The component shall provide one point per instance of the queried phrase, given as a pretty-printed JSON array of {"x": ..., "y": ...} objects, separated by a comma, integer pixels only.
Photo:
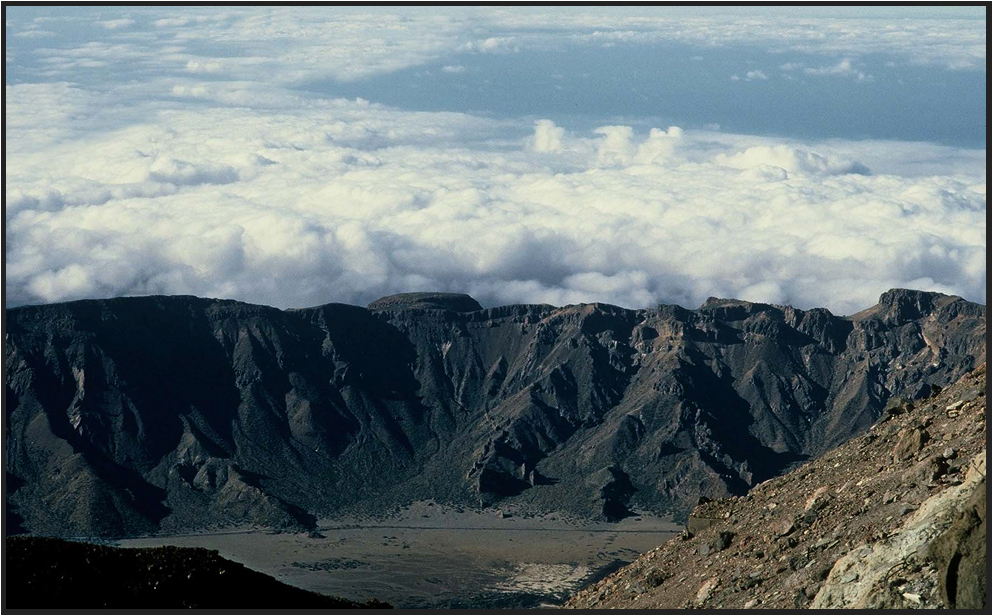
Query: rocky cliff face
[
  {"x": 134, "y": 415},
  {"x": 893, "y": 519}
]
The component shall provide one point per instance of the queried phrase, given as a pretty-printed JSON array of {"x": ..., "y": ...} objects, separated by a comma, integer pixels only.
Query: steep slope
[
  {"x": 137, "y": 415},
  {"x": 44, "y": 573},
  {"x": 893, "y": 519}
]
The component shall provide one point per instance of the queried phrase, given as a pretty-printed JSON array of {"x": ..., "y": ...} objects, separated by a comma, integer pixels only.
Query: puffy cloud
[
  {"x": 203, "y": 66},
  {"x": 659, "y": 147},
  {"x": 117, "y": 24},
  {"x": 615, "y": 149},
  {"x": 755, "y": 75},
  {"x": 148, "y": 165},
  {"x": 791, "y": 160},
  {"x": 493, "y": 44},
  {"x": 844, "y": 68},
  {"x": 347, "y": 201},
  {"x": 181, "y": 172},
  {"x": 453, "y": 69},
  {"x": 547, "y": 136}
]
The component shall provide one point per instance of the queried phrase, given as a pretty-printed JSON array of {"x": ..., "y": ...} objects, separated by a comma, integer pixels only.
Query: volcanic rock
[
  {"x": 926, "y": 549},
  {"x": 165, "y": 414}
]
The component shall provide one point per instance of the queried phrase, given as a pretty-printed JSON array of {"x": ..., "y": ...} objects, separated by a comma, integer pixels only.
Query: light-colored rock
[
  {"x": 818, "y": 500},
  {"x": 872, "y": 563},
  {"x": 705, "y": 590}
]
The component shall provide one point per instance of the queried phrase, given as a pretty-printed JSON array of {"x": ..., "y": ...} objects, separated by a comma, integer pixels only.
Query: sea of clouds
[{"x": 174, "y": 155}]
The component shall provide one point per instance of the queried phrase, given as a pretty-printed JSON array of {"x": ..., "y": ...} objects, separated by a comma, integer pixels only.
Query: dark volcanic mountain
[{"x": 135, "y": 415}]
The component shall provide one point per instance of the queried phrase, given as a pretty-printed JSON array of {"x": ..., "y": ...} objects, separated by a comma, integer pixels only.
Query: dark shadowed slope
[
  {"x": 138, "y": 415},
  {"x": 46, "y": 573}
]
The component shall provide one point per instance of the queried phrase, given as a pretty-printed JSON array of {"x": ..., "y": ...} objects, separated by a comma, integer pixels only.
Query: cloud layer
[
  {"x": 147, "y": 164},
  {"x": 303, "y": 44},
  {"x": 348, "y": 201}
]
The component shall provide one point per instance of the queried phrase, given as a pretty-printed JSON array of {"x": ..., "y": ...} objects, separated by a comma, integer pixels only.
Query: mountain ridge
[{"x": 166, "y": 413}]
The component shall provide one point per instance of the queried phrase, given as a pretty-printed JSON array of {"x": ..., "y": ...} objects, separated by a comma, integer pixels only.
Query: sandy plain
[{"x": 431, "y": 556}]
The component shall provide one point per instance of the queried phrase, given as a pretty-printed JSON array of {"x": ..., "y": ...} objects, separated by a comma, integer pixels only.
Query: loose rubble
[{"x": 890, "y": 520}]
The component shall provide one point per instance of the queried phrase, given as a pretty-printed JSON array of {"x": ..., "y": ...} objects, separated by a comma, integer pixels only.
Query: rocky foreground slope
[
  {"x": 44, "y": 573},
  {"x": 893, "y": 519},
  {"x": 162, "y": 414}
]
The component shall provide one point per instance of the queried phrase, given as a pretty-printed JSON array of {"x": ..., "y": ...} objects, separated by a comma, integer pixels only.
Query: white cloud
[
  {"x": 204, "y": 66},
  {"x": 117, "y": 24},
  {"x": 615, "y": 149},
  {"x": 547, "y": 136},
  {"x": 844, "y": 68},
  {"x": 347, "y": 201},
  {"x": 34, "y": 34},
  {"x": 494, "y": 44},
  {"x": 659, "y": 147},
  {"x": 791, "y": 160},
  {"x": 755, "y": 75},
  {"x": 181, "y": 172},
  {"x": 956, "y": 44},
  {"x": 348, "y": 45},
  {"x": 168, "y": 170},
  {"x": 453, "y": 68}
]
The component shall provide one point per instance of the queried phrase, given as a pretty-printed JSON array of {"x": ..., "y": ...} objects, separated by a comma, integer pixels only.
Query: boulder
[
  {"x": 909, "y": 443},
  {"x": 961, "y": 558}
]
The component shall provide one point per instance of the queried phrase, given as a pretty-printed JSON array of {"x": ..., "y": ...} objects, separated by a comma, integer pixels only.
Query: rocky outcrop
[
  {"x": 862, "y": 578},
  {"x": 162, "y": 414},
  {"x": 961, "y": 557},
  {"x": 856, "y": 528}
]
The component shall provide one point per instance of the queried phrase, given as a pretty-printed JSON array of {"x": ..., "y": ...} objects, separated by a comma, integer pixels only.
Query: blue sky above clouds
[{"x": 296, "y": 156}]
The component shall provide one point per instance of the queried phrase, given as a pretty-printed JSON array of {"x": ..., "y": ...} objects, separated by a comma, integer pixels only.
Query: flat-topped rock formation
[{"x": 426, "y": 301}]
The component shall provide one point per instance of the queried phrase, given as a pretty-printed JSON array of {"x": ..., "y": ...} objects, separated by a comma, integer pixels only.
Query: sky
[{"x": 636, "y": 156}]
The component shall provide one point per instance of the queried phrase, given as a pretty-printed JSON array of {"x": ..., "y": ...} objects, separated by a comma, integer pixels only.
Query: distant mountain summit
[
  {"x": 429, "y": 301},
  {"x": 135, "y": 415}
]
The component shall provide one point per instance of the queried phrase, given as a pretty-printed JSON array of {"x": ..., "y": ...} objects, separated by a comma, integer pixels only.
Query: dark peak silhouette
[{"x": 51, "y": 574}]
